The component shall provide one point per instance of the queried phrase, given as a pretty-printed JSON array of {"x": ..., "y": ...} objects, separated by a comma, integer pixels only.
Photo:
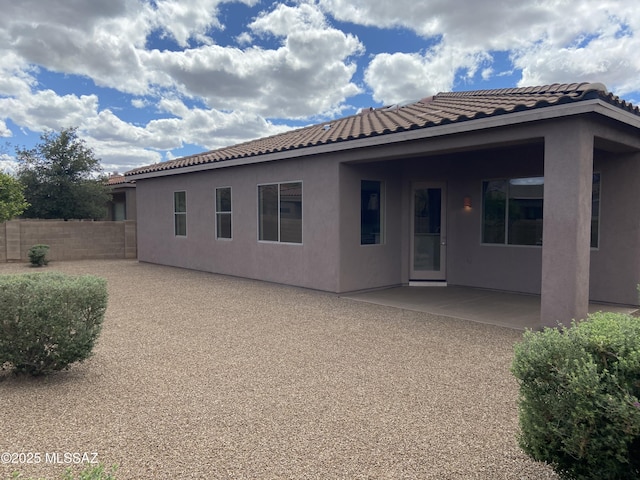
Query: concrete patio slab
[{"x": 513, "y": 310}]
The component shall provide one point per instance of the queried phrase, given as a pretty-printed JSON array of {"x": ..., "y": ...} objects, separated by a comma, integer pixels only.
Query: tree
[
  {"x": 62, "y": 178},
  {"x": 12, "y": 201}
]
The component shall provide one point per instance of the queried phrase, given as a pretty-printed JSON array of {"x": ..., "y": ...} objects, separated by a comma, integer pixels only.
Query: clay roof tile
[{"x": 440, "y": 109}]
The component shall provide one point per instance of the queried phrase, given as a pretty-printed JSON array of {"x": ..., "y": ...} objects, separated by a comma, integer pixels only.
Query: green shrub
[
  {"x": 92, "y": 473},
  {"x": 38, "y": 255},
  {"x": 89, "y": 473},
  {"x": 49, "y": 320},
  {"x": 579, "y": 390}
]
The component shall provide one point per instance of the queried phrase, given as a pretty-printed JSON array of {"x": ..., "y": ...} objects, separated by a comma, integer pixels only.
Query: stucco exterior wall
[
  {"x": 615, "y": 265},
  {"x": 469, "y": 261},
  {"x": 331, "y": 257},
  {"x": 370, "y": 266},
  {"x": 312, "y": 264}
]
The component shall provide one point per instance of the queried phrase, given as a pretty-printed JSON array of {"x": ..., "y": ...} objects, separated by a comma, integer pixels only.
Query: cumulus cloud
[
  {"x": 421, "y": 74},
  {"x": 8, "y": 164},
  {"x": 119, "y": 143},
  {"x": 547, "y": 44},
  {"x": 4, "y": 131},
  {"x": 310, "y": 73},
  {"x": 290, "y": 62},
  {"x": 45, "y": 110},
  {"x": 604, "y": 57}
]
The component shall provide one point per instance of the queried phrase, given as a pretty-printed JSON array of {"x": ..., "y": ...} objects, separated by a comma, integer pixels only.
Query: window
[
  {"x": 280, "y": 212},
  {"x": 371, "y": 212},
  {"x": 180, "y": 213},
  {"x": 512, "y": 211},
  {"x": 223, "y": 212}
]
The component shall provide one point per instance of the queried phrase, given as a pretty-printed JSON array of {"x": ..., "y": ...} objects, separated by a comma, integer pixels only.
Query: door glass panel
[{"x": 426, "y": 229}]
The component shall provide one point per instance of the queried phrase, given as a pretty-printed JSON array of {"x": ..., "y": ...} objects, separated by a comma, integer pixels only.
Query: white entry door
[{"x": 428, "y": 232}]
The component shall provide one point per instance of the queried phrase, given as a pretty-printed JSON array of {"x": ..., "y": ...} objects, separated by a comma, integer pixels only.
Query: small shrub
[
  {"x": 579, "y": 390},
  {"x": 38, "y": 255},
  {"x": 49, "y": 320}
]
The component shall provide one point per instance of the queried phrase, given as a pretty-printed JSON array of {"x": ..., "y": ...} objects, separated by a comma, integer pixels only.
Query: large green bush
[
  {"x": 49, "y": 320},
  {"x": 579, "y": 397}
]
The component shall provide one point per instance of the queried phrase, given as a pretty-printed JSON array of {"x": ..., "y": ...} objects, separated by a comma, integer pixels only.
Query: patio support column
[{"x": 568, "y": 177}]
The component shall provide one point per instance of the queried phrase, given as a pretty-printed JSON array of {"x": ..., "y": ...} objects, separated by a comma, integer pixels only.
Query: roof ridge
[
  {"x": 555, "y": 88},
  {"x": 440, "y": 109}
]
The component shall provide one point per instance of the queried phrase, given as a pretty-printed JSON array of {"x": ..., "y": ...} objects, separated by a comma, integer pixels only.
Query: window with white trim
[
  {"x": 223, "y": 212},
  {"x": 180, "y": 213},
  {"x": 512, "y": 211},
  {"x": 280, "y": 212}
]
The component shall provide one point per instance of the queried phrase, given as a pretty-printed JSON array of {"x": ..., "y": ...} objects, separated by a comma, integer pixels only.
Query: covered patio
[{"x": 505, "y": 309}]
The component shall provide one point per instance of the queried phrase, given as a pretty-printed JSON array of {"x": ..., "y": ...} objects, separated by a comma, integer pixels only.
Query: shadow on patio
[{"x": 505, "y": 309}]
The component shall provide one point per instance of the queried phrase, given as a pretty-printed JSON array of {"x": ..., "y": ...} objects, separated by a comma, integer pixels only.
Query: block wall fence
[{"x": 68, "y": 240}]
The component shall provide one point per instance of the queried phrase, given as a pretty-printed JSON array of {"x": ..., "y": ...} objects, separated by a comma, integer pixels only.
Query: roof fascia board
[
  {"x": 515, "y": 118},
  {"x": 611, "y": 111}
]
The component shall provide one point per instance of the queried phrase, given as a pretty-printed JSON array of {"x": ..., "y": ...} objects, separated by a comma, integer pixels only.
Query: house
[
  {"x": 123, "y": 198},
  {"x": 525, "y": 189}
]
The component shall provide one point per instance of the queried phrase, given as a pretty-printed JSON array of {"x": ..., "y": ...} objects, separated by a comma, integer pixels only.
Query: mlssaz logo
[{"x": 67, "y": 458}]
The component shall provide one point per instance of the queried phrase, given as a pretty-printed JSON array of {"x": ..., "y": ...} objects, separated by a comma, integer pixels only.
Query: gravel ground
[{"x": 201, "y": 376}]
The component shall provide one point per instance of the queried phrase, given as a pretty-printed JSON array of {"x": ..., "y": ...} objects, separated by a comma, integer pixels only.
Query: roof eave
[{"x": 514, "y": 118}]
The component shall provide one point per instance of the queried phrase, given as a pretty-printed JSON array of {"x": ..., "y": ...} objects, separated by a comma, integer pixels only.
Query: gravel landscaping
[{"x": 201, "y": 376}]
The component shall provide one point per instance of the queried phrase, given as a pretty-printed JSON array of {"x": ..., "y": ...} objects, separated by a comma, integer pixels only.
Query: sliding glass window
[
  {"x": 280, "y": 212},
  {"x": 512, "y": 211}
]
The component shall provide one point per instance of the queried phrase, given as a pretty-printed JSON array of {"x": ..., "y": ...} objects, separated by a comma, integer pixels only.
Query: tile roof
[
  {"x": 441, "y": 109},
  {"x": 117, "y": 179}
]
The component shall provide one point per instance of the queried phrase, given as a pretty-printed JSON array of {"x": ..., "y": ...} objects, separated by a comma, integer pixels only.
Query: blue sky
[{"x": 146, "y": 81}]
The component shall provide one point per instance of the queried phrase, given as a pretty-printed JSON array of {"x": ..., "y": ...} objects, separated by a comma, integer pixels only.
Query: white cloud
[
  {"x": 422, "y": 74},
  {"x": 604, "y": 58},
  {"x": 284, "y": 20},
  {"x": 4, "y": 131},
  {"x": 45, "y": 109},
  {"x": 139, "y": 102},
  {"x": 184, "y": 19},
  {"x": 119, "y": 157},
  {"x": 290, "y": 62},
  {"x": 16, "y": 76},
  {"x": 312, "y": 64},
  {"x": 244, "y": 39},
  {"x": 309, "y": 74},
  {"x": 550, "y": 40},
  {"x": 8, "y": 164},
  {"x": 209, "y": 128},
  {"x": 95, "y": 39},
  {"x": 190, "y": 19},
  {"x": 120, "y": 143}
]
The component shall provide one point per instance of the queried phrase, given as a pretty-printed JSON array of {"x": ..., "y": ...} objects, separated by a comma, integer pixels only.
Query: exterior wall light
[{"x": 467, "y": 203}]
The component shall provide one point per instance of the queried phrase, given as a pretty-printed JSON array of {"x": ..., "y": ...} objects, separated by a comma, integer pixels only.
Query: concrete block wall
[
  {"x": 70, "y": 240},
  {"x": 3, "y": 243}
]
